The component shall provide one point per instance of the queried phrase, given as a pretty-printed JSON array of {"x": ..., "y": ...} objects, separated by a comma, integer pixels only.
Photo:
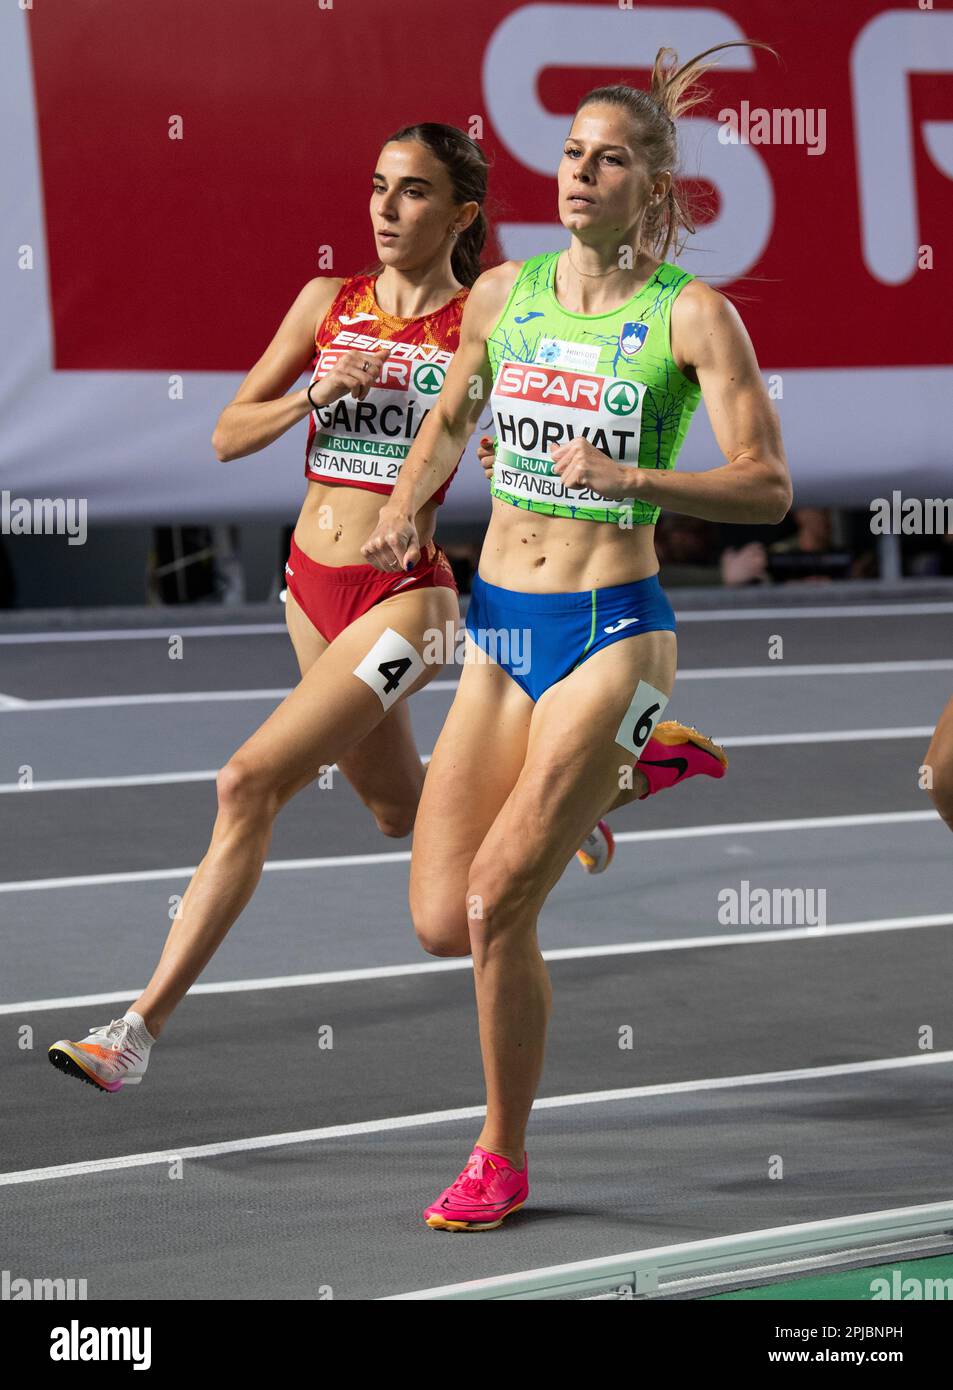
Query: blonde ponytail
[{"x": 673, "y": 91}]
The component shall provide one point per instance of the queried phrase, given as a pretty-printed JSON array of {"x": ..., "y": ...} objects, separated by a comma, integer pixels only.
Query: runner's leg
[
  {"x": 384, "y": 768},
  {"x": 474, "y": 767},
  {"x": 327, "y": 714},
  {"x": 939, "y": 758},
  {"x": 569, "y": 778}
]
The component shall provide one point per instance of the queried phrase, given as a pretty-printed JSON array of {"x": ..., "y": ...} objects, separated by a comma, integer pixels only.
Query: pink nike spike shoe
[
  {"x": 488, "y": 1189},
  {"x": 676, "y": 752}
]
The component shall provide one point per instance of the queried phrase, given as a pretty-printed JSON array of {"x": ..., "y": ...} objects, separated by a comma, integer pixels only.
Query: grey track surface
[{"x": 608, "y": 1175}]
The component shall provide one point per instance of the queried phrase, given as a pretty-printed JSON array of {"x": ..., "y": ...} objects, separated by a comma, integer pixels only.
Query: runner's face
[
  {"x": 412, "y": 206},
  {"x": 603, "y": 181}
]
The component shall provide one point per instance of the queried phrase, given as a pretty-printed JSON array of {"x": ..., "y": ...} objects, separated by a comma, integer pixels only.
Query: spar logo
[
  {"x": 622, "y": 398},
  {"x": 580, "y": 390},
  {"x": 420, "y": 364},
  {"x": 428, "y": 379},
  {"x": 549, "y": 386}
]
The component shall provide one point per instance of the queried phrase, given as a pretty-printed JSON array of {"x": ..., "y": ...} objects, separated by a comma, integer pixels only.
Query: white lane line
[
  {"x": 701, "y": 673},
  {"x": 144, "y": 779},
  {"x": 817, "y": 668},
  {"x": 827, "y": 736},
  {"x": 337, "y": 861},
  {"x": 559, "y": 953},
  {"x": 352, "y": 861},
  {"x": 755, "y": 827},
  {"x": 138, "y": 634},
  {"x": 72, "y": 784},
  {"x": 177, "y": 697},
  {"x": 692, "y": 615},
  {"x": 847, "y": 610},
  {"x": 471, "y": 1112},
  {"x": 163, "y": 779}
]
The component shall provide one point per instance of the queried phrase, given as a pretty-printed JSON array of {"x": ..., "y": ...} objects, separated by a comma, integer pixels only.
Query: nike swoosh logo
[
  {"x": 525, "y": 318},
  {"x": 452, "y": 1204},
  {"x": 681, "y": 764},
  {"x": 407, "y": 581}
]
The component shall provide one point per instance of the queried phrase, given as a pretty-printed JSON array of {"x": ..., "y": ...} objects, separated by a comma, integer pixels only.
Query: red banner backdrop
[
  {"x": 183, "y": 254},
  {"x": 151, "y": 272}
]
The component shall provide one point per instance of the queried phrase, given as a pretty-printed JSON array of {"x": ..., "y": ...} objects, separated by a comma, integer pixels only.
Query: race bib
[
  {"x": 641, "y": 717},
  {"x": 367, "y": 441},
  {"x": 536, "y": 406}
]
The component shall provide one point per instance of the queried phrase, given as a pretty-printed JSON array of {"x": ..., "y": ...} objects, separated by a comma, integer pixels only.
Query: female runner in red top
[{"x": 380, "y": 345}]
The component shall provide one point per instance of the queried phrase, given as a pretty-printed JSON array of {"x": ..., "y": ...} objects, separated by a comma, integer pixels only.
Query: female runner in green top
[{"x": 595, "y": 359}]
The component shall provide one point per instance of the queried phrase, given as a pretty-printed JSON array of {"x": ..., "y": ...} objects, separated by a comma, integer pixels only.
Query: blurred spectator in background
[
  {"x": 929, "y": 556},
  {"x": 810, "y": 555},
  {"x": 464, "y": 556},
  {"x": 696, "y": 552},
  {"x": 687, "y": 549},
  {"x": 7, "y": 586},
  {"x": 746, "y": 565}
]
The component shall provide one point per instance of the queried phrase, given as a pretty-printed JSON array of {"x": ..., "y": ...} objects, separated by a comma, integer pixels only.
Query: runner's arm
[
  {"x": 754, "y": 485},
  {"x": 452, "y": 419},
  {"x": 261, "y": 411}
]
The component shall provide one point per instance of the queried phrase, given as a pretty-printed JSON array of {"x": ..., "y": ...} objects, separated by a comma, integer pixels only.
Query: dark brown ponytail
[{"x": 466, "y": 164}]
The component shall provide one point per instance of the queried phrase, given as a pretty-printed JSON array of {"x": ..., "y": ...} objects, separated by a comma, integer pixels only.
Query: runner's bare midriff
[
  {"x": 552, "y": 554},
  {"x": 337, "y": 518}
]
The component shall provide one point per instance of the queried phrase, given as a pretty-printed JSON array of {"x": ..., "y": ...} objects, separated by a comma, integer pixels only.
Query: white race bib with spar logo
[
  {"x": 536, "y": 406},
  {"x": 367, "y": 441}
]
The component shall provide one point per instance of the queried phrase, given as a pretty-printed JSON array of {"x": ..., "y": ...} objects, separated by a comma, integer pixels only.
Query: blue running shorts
[{"x": 539, "y": 638}]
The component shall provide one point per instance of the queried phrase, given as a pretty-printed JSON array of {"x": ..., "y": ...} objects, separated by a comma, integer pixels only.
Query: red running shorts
[{"x": 334, "y": 596}]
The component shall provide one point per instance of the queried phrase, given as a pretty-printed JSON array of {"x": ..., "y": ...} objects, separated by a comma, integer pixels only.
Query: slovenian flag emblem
[{"x": 632, "y": 337}]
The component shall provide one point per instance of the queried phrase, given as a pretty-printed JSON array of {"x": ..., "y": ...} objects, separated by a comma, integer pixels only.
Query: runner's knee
[
  {"x": 941, "y": 788},
  {"x": 440, "y": 924},
  {"x": 498, "y": 895},
  {"x": 395, "y": 819},
  {"x": 444, "y": 936},
  {"x": 246, "y": 787},
  {"x": 941, "y": 794}
]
